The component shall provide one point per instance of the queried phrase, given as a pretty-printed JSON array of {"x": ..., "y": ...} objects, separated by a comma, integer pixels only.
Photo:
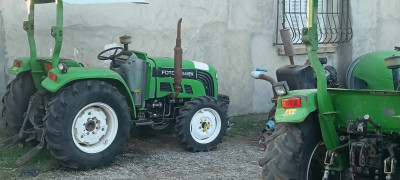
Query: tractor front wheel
[
  {"x": 201, "y": 124},
  {"x": 87, "y": 124},
  {"x": 289, "y": 151}
]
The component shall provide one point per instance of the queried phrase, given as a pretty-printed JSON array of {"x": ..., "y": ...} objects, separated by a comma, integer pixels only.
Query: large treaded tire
[
  {"x": 289, "y": 149},
  {"x": 61, "y": 114},
  {"x": 16, "y": 101},
  {"x": 185, "y": 117}
]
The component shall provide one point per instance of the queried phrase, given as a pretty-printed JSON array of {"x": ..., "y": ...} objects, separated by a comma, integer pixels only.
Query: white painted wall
[{"x": 235, "y": 36}]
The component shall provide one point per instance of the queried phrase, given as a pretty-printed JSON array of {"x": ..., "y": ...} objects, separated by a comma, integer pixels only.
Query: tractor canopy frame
[{"x": 56, "y": 31}]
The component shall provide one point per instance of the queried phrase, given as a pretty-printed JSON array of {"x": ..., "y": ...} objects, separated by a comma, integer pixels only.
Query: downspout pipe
[{"x": 178, "y": 62}]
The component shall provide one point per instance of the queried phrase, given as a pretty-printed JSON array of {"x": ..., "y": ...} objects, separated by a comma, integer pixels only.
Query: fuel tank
[{"x": 133, "y": 70}]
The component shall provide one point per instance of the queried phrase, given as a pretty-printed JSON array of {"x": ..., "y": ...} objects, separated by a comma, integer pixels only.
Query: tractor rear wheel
[
  {"x": 201, "y": 124},
  {"x": 16, "y": 101},
  {"x": 87, "y": 124},
  {"x": 288, "y": 155}
]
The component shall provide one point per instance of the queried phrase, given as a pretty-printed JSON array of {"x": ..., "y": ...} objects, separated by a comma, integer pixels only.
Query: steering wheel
[{"x": 111, "y": 57}]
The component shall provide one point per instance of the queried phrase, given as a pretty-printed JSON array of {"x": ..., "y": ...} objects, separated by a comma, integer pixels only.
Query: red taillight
[
  {"x": 52, "y": 76},
  {"x": 17, "y": 63},
  {"x": 291, "y": 103}
]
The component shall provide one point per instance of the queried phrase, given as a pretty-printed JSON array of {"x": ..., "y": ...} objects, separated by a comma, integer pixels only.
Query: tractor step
[{"x": 145, "y": 122}]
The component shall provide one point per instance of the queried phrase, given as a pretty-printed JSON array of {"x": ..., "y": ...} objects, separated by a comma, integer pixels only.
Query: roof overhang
[{"x": 81, "y": 2}]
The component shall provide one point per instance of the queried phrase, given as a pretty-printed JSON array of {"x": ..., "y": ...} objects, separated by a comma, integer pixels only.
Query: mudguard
[
  {"x": 297, "y": 115},
  {"x": 26, "y": 66},
  {"x": 80, "y": 73}
]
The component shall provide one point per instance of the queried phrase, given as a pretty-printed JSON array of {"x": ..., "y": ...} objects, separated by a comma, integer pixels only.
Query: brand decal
[
  {"x": 384, "y": 93},
  {"x": 169, "y": 72}
]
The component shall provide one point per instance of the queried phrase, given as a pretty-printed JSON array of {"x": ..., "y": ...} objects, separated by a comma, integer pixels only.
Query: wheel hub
[
  {"x": 90, "y": 126},
  {"x": 205, "y": 125}
]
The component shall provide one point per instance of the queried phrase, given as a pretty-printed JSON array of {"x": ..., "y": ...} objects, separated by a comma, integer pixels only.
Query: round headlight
[{"x": 63, "y": 67}]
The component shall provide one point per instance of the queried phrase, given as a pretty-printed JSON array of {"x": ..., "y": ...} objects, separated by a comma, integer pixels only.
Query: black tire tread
[
  {"x": 16, "y": 100},
  {"x": 54, "y": 118},
  {"x": 185, "y": 117},
  {"x": 285, "y": 154}
]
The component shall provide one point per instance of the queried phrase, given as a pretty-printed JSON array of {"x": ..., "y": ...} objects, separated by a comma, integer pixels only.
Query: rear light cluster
[
  {"x": 52, "y": 76},
  {"x": 17, "y": 63},
  {"x": 291, "y": 103}
]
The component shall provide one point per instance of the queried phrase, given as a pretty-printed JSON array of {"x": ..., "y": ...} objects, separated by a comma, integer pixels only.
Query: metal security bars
[{"x": 334, "y": 24}]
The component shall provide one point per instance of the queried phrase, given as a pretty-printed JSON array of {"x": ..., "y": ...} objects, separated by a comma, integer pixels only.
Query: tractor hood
[{"x": 169, "y": 63}]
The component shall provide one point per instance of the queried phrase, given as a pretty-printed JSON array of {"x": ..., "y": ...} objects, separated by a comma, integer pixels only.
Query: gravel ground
[{"x": 162, "y": 157}]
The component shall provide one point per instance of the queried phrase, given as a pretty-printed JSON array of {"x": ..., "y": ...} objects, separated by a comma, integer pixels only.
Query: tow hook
[
  {"x": 329, "y": 161},
  {"x": 390, "y": 167}
]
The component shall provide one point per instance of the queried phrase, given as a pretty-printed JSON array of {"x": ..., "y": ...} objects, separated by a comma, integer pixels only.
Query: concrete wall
[
  {"x": 376, "y": 26},
  {"x": 2, "y": 64},
  {"x": 235, "y": 36}
]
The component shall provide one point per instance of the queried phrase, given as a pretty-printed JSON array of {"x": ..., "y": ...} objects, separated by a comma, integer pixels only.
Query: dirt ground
[{"x": 162, "y": 157}]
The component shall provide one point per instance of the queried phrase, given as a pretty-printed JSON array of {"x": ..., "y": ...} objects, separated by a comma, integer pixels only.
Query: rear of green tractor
[
  {"x": 338, "y": 133},
  {"x": 85, "y": 114}
]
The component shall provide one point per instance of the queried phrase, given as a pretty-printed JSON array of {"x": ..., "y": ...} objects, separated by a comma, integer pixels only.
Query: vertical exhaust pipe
[
  {"x": 178, "y": 62},
  {"x": 286, "y": 38}
]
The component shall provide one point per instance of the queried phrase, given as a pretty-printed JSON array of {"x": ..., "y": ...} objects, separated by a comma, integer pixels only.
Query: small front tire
[{"x": 201, "y": 124}]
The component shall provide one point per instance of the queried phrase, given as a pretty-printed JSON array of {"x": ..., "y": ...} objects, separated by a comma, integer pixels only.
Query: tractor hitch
[{"x": 34, "y": 131}]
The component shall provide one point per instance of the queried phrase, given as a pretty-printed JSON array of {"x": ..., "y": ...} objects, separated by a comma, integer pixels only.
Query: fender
[
  {"x": 80, "y": 73},
  {"x": 297, "y": 115},
  {"x": 26, "y": 66}
]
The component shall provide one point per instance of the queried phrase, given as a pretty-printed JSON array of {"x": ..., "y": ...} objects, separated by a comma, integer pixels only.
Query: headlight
[
  {"x": 63, "y": 67},
  {"x": 281, "y": 88},
  {"x": 216, "y": 75}
]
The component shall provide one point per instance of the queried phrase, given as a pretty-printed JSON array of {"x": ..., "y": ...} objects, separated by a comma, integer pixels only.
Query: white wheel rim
[
  {"x": 205, "y": 125},
  {"x": 95, "y": 127}
]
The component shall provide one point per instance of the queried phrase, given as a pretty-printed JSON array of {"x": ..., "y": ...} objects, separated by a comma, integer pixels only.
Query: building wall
[
  {"x": 376, "y": 26},
  {"x": 3, "y": 63},
  {"x": 235, "y": 36}
]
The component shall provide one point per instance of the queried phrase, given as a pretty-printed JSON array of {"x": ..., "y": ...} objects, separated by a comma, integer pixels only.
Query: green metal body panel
[
  {"x": 80, "y": 73},
  {"x": 382, "y": 106},
  {"x": 297, "y": 115},
  {"x": 26, "y": 66},
  {"x": 197, "y": 86},
  {"x": 372, "y": 69},
  {"x": 44, "y": 64}
]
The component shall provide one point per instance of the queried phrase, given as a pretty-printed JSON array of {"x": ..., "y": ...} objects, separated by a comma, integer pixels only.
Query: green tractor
[
  {"x": 84, "y": 115},
  {"x": 336, "y": 133}
]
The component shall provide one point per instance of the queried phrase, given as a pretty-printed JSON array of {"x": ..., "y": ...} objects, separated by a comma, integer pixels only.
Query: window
[{"x": 334, "y": 25}]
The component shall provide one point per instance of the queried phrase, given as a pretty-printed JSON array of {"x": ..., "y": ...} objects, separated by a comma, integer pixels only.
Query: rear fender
[
  {"x": 297, "y": 115},
  {"x": 26, "y": 66},
  {"x": 80, "y": 73}
]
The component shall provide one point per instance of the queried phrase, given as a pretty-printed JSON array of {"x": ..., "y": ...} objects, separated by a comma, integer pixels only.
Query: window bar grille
[{"x": 334, "y": 24}]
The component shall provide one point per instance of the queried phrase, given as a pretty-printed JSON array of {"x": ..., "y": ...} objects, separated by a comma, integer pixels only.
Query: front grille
[
  {"x": 188, "y": 89},
  {"x": 166, "y": 87},
  {"x": 207, "y": 81}
]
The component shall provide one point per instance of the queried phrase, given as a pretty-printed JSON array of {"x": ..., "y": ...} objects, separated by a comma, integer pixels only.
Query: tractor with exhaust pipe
[
  {"x": 332, "y": 133},
  {"x": 84, "y": 115}
]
